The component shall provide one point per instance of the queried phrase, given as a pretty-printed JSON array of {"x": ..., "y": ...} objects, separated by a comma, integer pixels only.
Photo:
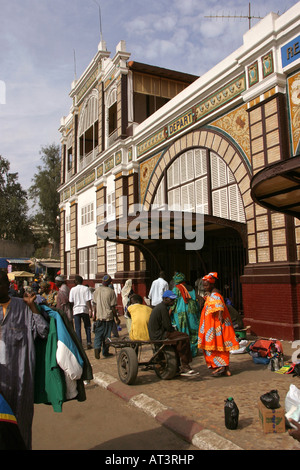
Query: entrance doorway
[{"x": 223, "y": 252}]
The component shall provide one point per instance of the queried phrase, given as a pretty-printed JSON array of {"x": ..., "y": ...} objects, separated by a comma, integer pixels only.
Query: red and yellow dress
[{"x": 214, "y": 337}]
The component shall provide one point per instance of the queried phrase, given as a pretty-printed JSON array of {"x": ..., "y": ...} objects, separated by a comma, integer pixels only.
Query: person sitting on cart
[
  {"x": 160, "y": 328},
  {"x": 139, "y": 314}
]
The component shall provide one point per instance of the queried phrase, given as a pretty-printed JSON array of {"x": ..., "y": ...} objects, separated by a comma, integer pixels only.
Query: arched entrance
[
  {"x": 203, "y": 173},
  {"x": 223, "y": 251}
]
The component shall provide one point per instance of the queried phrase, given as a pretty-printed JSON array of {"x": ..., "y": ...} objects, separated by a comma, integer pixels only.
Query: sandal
[{"x": 219, "y": 371}]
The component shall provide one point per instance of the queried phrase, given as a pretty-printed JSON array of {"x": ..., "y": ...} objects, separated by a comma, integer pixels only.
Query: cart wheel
[
  {"x": 127, "y": 365},
  {"x": 167, "y": 366}
]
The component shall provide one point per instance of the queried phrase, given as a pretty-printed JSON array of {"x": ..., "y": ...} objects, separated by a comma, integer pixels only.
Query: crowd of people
[
  {"x": 192, "y": 319},
  {"x": 197, "y": 317}
]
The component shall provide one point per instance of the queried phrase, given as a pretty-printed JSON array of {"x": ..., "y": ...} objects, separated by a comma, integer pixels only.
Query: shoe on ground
[
  {"x": 89, "y": 346},
  {"x": 188, "y": 372},
  {"x": 86, "y": 382},
  {"x": 108, "y": 355}
]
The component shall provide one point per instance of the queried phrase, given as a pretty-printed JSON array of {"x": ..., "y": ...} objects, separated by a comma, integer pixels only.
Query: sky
[{"x": 44, "y": 43}]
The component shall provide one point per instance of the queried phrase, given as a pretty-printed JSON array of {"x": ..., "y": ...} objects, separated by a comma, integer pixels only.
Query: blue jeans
[
  {"x": 102, "y": 331},
  {"x": 87, "y": 326}
]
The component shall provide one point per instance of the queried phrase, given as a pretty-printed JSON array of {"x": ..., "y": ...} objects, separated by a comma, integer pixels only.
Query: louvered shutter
[
  {"x": 219, "y": 171},
  {"x": 176, "y": 172},
  {"x": 183, "y": 168},
  {"x": 188, "y": 197},
  {"x": 233, "y": 203},
  {"x": 159, "y": 200},
  {"x": 174, "y": 200},
  {"x": 200, "y": 162},
  {"x": 190, "y": 165},
  {"x": 170, "y": 178},
  {"x": 201, "y": 199},
  {"x": 220, "y": 203},
  {"x": 242, "y": 217},
  {"x": 83, "y": 267}
]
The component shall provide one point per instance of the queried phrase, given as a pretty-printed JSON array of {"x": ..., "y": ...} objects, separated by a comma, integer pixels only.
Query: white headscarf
[{"x": 126, "y": 291}]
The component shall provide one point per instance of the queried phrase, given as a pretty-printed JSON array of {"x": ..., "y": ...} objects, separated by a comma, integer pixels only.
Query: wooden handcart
[{"x": 164, "y": 360}]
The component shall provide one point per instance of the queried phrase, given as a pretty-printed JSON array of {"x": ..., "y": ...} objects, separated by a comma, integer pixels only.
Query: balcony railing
[{"x": 86, "y": 160}]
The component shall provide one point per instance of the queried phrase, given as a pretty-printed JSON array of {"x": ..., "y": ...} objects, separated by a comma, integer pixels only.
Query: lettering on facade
[
  {"x": 290, "y": 52},
  {"x": 180, "y": 123}
]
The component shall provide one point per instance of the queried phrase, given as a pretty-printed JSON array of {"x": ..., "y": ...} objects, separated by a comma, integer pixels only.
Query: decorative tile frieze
[{"x": 222, "y": 96}]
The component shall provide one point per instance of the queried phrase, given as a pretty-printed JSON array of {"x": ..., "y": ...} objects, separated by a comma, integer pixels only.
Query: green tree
[
  {"x": 14, "y": 221},
  {"x": 44, "y": 194}
]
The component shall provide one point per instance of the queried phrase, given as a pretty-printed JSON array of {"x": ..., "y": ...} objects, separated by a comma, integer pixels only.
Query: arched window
[
  {"x": 88, "y": 131},
  {"x": 111, "y": 116},
  {"x": 188, "y": 179},
  {"x": 69, "y": 152}
]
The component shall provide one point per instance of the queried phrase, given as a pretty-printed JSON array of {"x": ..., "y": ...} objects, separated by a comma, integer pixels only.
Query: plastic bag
[
  {"x": 292, "y": 397},
  {"x": 271, "y": 399},
  {"x": 292, "y": 404}
]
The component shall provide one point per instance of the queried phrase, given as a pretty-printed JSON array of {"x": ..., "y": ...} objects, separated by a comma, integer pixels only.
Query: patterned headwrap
[
  {"x": 178, "y": 278},
  {"x": 211, "y": 277}
]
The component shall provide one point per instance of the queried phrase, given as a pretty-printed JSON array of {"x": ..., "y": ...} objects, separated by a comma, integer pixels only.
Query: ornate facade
[{"x": 146, "y": 137}]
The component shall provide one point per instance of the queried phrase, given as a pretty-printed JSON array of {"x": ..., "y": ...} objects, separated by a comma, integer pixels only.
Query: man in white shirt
[
  {"x": 81, "y": 300},
  {"x": 158, "y": 287}
]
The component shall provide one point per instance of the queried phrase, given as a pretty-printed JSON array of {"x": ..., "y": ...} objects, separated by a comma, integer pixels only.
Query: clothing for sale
[
  {"x": 18, "y": 330},
  {"x": 62, "y": 364},
  {"x": 10, "y": 436}
]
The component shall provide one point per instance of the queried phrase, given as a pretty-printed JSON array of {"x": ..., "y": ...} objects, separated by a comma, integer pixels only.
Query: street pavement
[{"x": 193, "y": 407}]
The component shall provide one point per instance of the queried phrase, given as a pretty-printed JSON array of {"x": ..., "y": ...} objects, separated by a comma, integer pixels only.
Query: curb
[{"x": 189, "y": 430}]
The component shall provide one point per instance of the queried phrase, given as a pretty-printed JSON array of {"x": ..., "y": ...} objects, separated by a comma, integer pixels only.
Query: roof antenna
[
  {"x": 249, "y": 17},
  {"x": 75, "y": 75},
  {"x": 100, "y": 23}
]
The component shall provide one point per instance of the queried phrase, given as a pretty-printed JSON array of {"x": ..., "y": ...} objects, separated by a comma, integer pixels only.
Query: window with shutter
[
  {"x": 111, "y": 207},
  {"x": 190, "y": 165},
  {"x": 233, "y": 202},
  {"x": 200, "y": 162},
  {"x": 170, "y": 178},
  {"x": 111, "y": 258},
  {"x": 220, "y": 203},
  {"x": 183, "y": 168},
  {"x": 83, "y": 263},
  {"x": 87, "y": 214},
  {"x": 176, "y": 172},
  {"x": 92, "y": 262},
  {"x": 218, "y": 171},
  {"x": 188, "y": 197},
  {"x": 236, "y": 207},
  {"x": 174, "y": 200},
  {"x": 201, "y": 196},
  {"x": 159, "y": 200},
  {"x": 191, "y": 168},
  {"x": 68, "y": 264},
  {"x": 214, "y": 168},
  {"x": 242, "y": 216}
]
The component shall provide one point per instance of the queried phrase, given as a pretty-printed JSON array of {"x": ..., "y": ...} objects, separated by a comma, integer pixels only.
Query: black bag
[{"x": 271, "y": 399}]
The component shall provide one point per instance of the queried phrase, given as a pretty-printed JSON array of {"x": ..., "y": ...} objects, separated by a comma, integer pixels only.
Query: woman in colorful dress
[
  {"x": 186, "y": 311},
  {"x": 216, "y": 334}
]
